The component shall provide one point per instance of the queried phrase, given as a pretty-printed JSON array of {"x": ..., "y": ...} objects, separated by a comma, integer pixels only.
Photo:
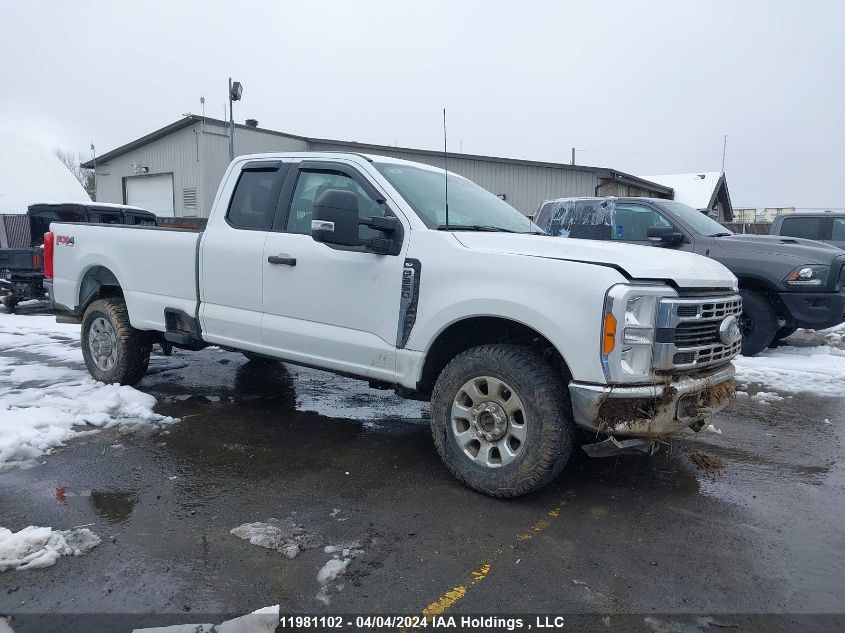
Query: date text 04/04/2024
[{"x": 420, "y": 622}]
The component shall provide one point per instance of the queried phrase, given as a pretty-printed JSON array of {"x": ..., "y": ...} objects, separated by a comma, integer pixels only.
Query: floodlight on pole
[{"x": 235, "y": 92}]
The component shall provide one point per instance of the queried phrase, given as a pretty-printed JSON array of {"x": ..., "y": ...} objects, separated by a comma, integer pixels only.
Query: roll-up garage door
[{"x": 153, "y": 193}]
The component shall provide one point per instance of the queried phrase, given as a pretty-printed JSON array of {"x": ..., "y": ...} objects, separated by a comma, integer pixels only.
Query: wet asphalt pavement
[{"x": 651, "y": 536}]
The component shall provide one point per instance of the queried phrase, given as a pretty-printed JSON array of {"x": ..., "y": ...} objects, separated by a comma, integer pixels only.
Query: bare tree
[{"x": 74, "y": 165}]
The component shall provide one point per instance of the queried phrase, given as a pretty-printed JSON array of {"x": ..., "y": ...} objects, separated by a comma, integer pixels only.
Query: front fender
[{"x": 560, "y": 300}]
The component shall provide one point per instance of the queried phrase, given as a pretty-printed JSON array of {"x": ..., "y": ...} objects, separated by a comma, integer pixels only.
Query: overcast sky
[{"x": 644, "y": 87}]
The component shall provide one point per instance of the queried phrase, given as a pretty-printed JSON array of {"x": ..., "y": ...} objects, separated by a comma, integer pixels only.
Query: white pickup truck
[{"x": 355, "y": 264}]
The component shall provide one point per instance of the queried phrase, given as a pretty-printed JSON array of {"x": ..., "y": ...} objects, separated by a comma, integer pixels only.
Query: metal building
[{"x": 176, "y": 170}]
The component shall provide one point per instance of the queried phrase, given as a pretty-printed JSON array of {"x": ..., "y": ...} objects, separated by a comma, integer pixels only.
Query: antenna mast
[{"x": 445, "y": 167}]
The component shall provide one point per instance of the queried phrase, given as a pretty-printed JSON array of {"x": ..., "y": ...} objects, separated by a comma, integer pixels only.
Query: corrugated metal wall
[
  {"x": 524, "y": 186},
  {"x": 177, "y": 153},
  {"x": 198, "y": 156}
]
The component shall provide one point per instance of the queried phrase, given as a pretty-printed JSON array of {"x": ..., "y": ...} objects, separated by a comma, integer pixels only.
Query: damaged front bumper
[{"x": 652, "y": 410}]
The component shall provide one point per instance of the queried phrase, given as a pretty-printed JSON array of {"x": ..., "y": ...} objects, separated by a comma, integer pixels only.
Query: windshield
[
  {"x": 697, "y": 221},
  {"x": 470, "y": 206}
]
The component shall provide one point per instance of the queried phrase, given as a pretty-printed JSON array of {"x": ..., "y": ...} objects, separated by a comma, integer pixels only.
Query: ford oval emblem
[{"x": 729, "y": 331}]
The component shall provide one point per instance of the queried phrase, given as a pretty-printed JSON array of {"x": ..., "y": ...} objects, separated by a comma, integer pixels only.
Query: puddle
[{"x": 113, "y": 506}]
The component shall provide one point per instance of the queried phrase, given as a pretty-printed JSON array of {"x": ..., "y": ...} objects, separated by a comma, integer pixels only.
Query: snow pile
[
  {"x": 818, "y": 370},
  {"x": 39, "y": 547},
  {"x": 285, "y": 536},
  {"x": 34, "y": 420},
  {"x": 264, "y": 620},
  {"x": 766, "y": 397},
  {"x": 40, "y": 335},
  {"x": 331, "y": 574},
  {"x": 44, "y": 404}
]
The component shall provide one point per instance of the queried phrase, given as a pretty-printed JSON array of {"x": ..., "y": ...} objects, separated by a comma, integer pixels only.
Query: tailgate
[{"x": 20, "y": 259}]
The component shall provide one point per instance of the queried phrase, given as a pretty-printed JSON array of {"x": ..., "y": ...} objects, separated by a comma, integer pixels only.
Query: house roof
[
  {"x": 31, "y": 173},
  {"x": 696, "y": 190},
  {"x": 602, "y": 172}
]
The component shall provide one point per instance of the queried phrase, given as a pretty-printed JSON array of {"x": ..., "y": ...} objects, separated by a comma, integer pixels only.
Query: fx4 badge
[{"x": 65, "y": 239}]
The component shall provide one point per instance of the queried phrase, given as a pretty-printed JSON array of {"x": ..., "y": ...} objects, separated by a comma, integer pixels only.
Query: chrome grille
[
  {"x": 695, "y": 334},
  {"x": 688, "y": 332},
  {"x": 720, "y": 309}
]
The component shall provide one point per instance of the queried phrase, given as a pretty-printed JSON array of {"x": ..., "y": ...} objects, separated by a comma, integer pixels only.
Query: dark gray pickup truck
[{"x": 785, "y": 282}]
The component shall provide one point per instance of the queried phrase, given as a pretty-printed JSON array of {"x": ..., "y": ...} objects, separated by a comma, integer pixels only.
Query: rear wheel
[
  {"x": 10, "y": 302},
  {"x": 113, "y": 350},
  {"x": 501, "y": 420},
  {"x": 758, "y": 322},
  {"x": 786, "y": 330}
]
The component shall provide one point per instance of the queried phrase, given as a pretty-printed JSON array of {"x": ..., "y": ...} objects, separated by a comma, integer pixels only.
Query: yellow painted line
[{"x": 453, "y": 595}]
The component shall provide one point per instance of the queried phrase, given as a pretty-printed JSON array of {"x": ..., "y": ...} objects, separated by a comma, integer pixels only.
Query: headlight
[
  {"x": 807, "y": 277},
  {"x": 628, "y": 330}
]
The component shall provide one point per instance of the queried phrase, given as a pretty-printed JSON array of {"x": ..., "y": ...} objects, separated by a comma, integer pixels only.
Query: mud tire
[
  {"x": 550, "y": 434},
  {"x": 786, "y": 330},
  {"x": 133, "y": 346},
  {"x": 761, "y": 320}
]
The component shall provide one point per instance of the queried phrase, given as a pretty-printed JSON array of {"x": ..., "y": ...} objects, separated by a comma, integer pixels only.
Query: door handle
[{"x": 283, "y": 259}]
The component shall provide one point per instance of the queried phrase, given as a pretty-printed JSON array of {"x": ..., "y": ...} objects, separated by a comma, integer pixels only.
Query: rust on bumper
[{"x": 652, "y": 410}]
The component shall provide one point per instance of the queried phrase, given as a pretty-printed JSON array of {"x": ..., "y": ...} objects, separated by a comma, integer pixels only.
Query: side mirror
[
  {"x": 665, "y": 235},
  {"x": 334, "y": 218}
]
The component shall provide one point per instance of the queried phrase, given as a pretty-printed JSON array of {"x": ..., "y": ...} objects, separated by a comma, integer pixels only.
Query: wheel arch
[
  {"x": 98, "y": 282},
  {"x": 766, "y": 289},
  {"x": 474, "y": 331}
]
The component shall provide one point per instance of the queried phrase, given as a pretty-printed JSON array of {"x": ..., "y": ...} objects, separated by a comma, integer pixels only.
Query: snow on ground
[
  {"x": 38, "y": 547},
  {"x": 331, "y": 574},
  {"x": 284, "y": 536},
  {"x": 264, "y": 620},
  {"x": 46, "y": 394},
  {"x": 818, "y": 370}
]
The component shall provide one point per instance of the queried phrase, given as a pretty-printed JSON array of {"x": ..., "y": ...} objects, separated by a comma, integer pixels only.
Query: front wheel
[
  {"x": 501, "y": 420},
  {"x": 758, "y": 323},
  {"x": 113, "y": 350}
]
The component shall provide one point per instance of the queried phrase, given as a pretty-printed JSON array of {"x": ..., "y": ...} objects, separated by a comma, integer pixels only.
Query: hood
[
  {"x": 638, "y": 262},
  {"x": 808, "y": 251}
]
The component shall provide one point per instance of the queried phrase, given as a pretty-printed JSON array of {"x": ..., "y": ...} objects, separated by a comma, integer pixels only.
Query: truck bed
[{"x": 156, "y": 267}]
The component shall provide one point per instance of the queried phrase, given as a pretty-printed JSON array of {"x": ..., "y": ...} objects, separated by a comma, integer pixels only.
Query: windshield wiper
[
  {"x": 473, "y": 227},
  {"x": 720, "y": 235}
]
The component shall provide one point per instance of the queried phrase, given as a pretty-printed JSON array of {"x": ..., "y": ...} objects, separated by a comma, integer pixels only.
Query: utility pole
[
  {"x": 573, "y": 156},
  {"x": 231, "y": 126},
  {"x": 724, "y": 148},
  {"x": 235, "y": 92},
  {"x": 94, "y": 154}
]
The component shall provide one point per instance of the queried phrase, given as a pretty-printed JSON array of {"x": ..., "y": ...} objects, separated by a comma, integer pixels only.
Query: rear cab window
[
  {"x": 808, "y": 228},
  {"x": 253, "y": 203}
]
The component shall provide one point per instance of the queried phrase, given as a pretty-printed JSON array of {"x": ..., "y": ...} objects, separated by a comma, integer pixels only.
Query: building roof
[
  {"x": 602, "y": 172},
  {"x": 696, "y": 190},
  {"x": 31, "y": 173}
]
